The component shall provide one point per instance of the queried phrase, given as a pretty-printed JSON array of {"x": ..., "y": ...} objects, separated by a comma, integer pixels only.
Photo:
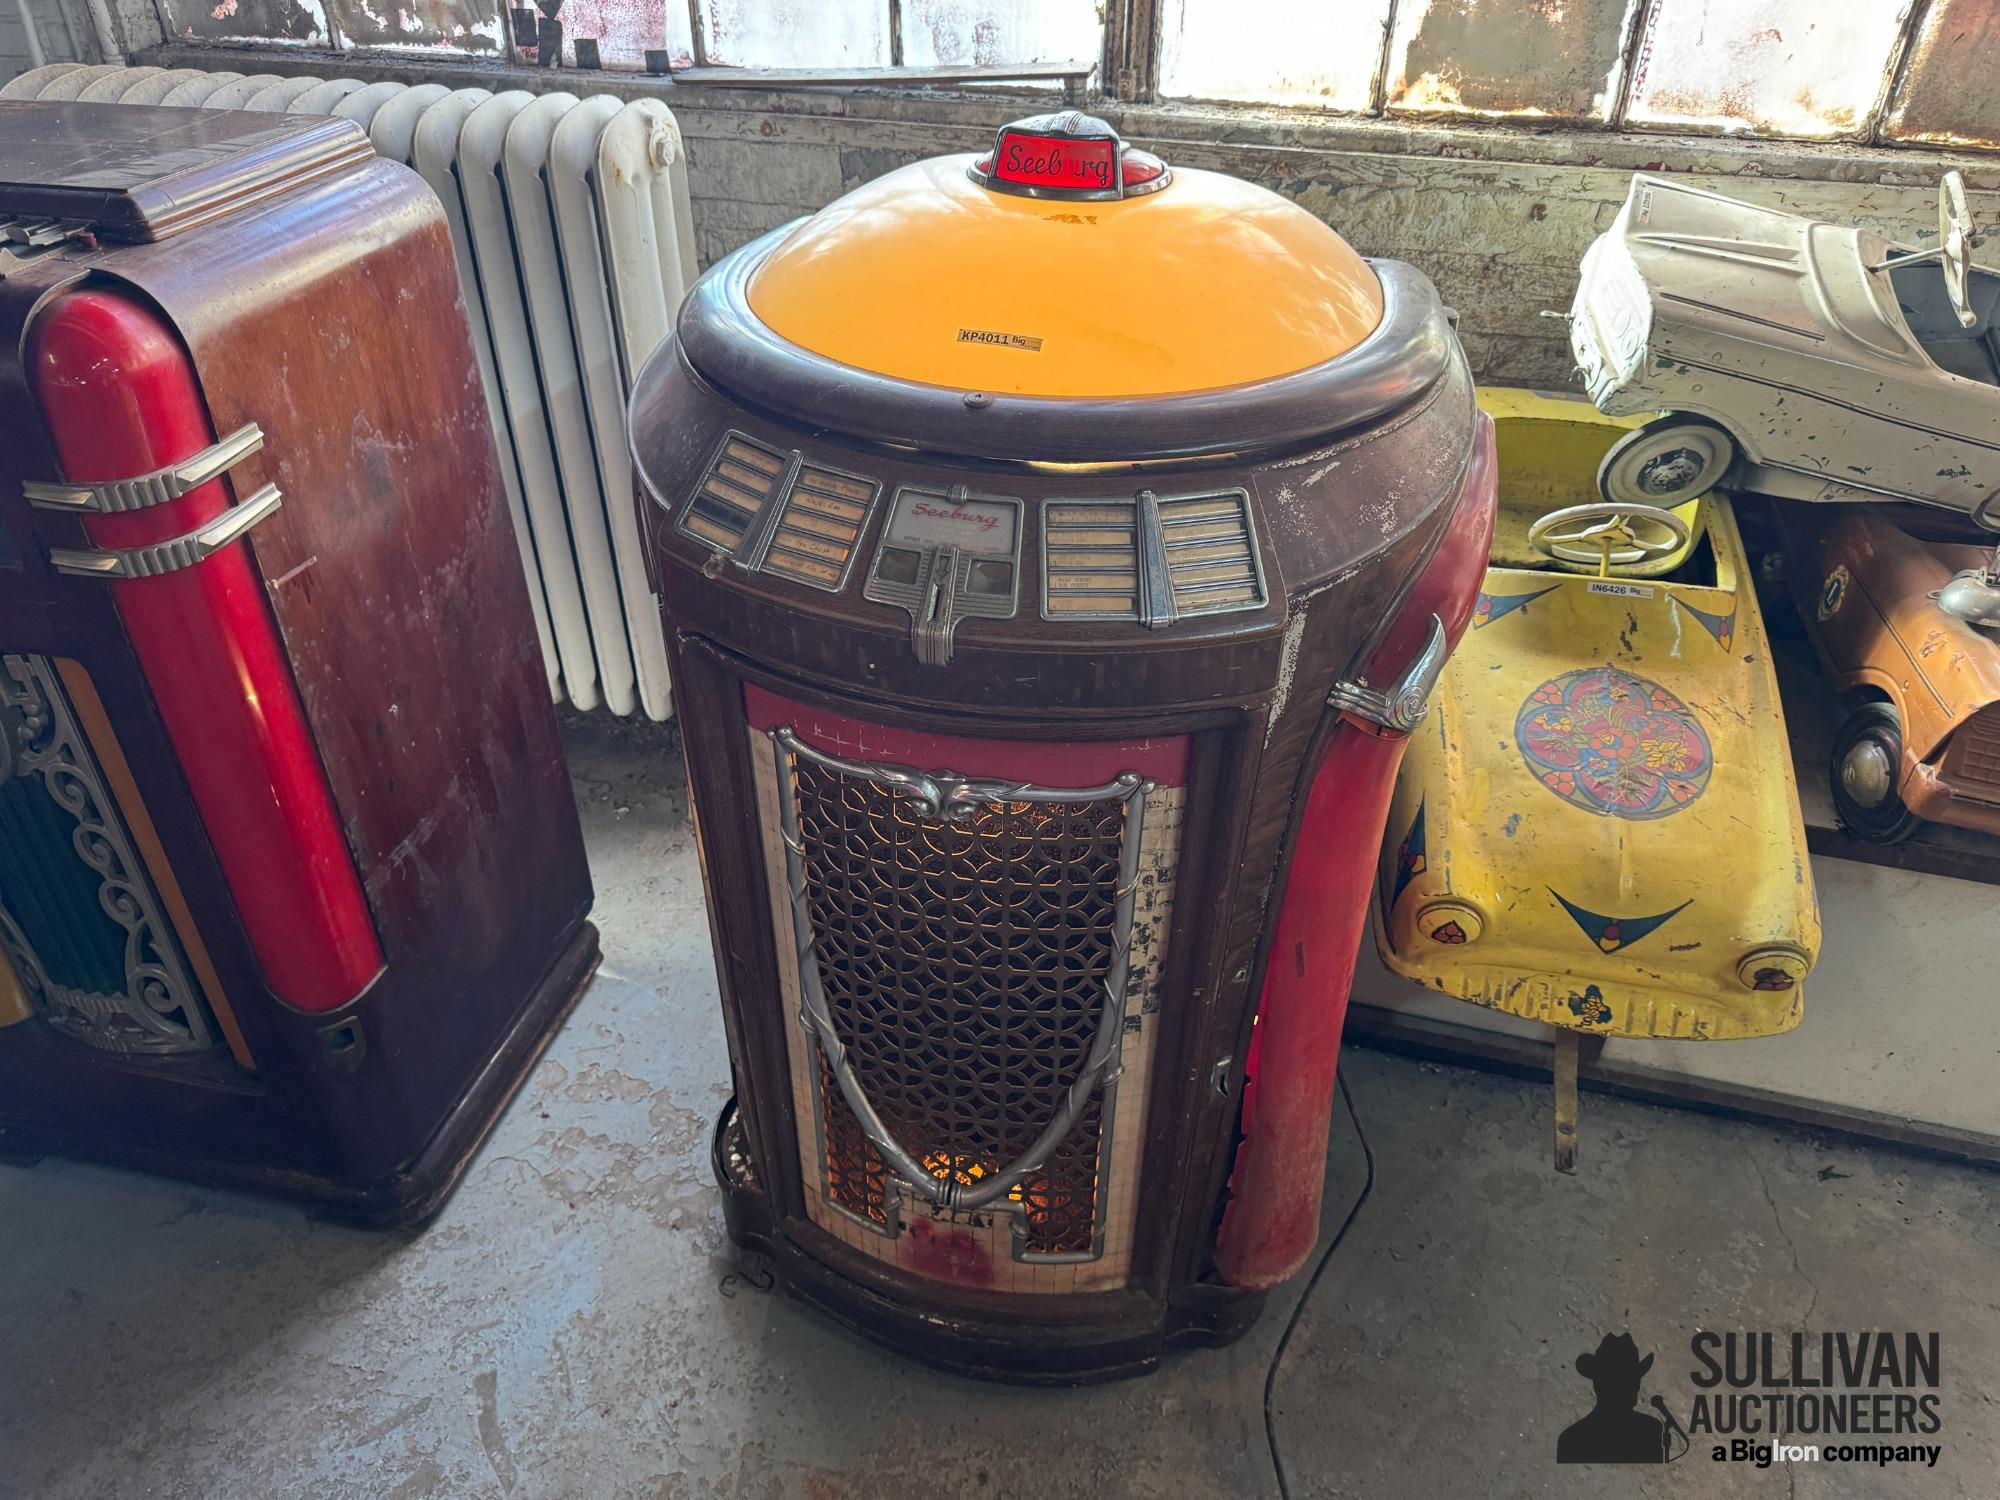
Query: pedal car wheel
[
  {"x": 1867, "y": 764},
  {"x": 1666, "y": 463}
]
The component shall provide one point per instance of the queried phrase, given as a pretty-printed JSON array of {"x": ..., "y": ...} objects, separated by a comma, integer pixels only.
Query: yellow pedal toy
[{"x": 1598, "y": 827}]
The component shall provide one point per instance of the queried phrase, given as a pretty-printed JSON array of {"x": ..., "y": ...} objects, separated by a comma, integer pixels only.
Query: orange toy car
[{"x": 1921, "y": 739}]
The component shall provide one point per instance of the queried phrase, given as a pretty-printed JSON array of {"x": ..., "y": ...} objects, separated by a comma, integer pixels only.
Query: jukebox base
[
  {"x": 406, "y": 1198},
  {"x": 1125, "y": 1335}
]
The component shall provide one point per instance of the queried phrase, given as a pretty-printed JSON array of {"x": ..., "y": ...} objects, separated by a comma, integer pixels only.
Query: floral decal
[{"x": 1616, "y": 744}]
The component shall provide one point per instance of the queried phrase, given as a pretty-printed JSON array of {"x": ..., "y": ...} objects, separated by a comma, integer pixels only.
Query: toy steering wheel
[
  {"x": 1955, "y": 241},
  {"x": 1608, "y": 535}
]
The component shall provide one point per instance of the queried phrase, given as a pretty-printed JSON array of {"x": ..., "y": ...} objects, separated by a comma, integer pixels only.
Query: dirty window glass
[
  {"x": 1273, "y": 51},
  {"x": 1810, "y": 68},
  {"x": 625, "y": 30},
  {"x": 796, "y": 33},
  {"x": 985, "y": 33},
  {"x": 1528, "y": 59},
  {"x": 424, "y": 25},
  {"x": 1950, "y": 86},
  {"x": 259, "y": 20}
]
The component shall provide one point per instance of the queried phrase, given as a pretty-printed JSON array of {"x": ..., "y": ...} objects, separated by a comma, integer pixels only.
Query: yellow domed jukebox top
[{"x": 1067, "y": 264}]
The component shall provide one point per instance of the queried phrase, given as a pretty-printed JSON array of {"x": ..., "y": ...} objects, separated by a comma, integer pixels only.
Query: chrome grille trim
[{"x": 956, "y": 802}]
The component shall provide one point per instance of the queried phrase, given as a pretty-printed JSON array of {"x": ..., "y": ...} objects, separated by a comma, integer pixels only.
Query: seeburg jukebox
[
  {"x": 292, "y": 889},
  {"x": 1057, "y": 547}
]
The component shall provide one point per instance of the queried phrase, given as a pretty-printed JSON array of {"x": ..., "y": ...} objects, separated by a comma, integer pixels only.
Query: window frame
[
  {"x": 1129, "y": 72},
  {"x": 1134, "y": 43}
]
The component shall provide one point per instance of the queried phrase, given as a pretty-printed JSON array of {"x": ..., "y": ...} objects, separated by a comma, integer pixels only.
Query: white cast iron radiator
[{"x": 575, "y": 244}]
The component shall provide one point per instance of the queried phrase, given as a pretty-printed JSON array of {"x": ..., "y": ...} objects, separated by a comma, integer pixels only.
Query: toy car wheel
[
  {"x": 1867, "y": 764},
  {"x": 1666, "y": 463}
]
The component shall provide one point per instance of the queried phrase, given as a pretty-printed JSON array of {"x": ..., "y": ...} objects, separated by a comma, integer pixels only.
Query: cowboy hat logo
[{"x": 1615, "y": 1431}]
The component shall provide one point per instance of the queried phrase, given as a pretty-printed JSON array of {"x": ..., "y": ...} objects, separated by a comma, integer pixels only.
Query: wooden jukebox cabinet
[
  {"x": 292, "y": 889},
  {"x": 1057, "y": 547}
]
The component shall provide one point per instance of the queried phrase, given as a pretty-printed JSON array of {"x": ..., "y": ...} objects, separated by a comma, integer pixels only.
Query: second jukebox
[{"x": 276, "y": 747}]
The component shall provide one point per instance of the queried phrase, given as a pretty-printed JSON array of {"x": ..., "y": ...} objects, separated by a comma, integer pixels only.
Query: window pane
[
  {"x": 797, "y": 33},
  {"x": 265, "y": 20},
  {"x": 1948, "y": 94},
  {"x": 1556, "y": 59},
  {"x": 1322, "y": 52},
  {"x": 426, "y": 25},
  {"x": 626, "y": 29},
  {"x": 982, "y": 33},
  {"x": 1777, "y": 67}
]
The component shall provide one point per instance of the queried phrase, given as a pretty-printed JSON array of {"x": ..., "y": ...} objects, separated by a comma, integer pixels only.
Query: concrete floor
[{"x": 564, "y": 1328}]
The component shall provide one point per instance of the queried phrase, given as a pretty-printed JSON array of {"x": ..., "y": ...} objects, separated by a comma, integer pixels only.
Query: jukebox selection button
[
  {"x": 899, "y": 565},
  {"x": 988, "y": 576}
]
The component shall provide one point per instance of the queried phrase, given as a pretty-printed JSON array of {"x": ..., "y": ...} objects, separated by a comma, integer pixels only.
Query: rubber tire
[
  {"x": 1710, "y": 433},
  {"x": 1890, "y": 821}
]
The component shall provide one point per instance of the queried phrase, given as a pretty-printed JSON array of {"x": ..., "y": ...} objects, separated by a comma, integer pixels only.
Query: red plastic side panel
[
  {"x": 121, "y": 399},
  {"x": 1272, "y": 1219}
]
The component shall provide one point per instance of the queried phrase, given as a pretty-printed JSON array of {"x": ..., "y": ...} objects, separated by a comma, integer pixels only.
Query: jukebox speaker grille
[
  {"x": 79, "y": 920},
  {"x": 964, "y": 961},
  {"x": 973, "y": 958}
]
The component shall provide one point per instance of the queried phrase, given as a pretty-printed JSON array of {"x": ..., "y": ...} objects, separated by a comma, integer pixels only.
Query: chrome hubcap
[
  {"x": 1866, "y": 773},
  {"x": 1670, "y": 471}
]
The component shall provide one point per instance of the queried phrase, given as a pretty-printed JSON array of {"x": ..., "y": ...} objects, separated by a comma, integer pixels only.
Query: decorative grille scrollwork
[
  {"x": 158, "y": 1010},
  {"x": 963, "y": 957}
]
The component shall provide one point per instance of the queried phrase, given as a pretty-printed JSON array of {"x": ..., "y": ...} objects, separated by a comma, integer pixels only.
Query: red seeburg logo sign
[{"x": 1042, "y": 161}]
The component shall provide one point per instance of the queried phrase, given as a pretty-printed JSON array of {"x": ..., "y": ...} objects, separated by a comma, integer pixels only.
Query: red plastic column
[
  {"x": 121, "y": 399},
  {"x": 1272, "y": 1219}
]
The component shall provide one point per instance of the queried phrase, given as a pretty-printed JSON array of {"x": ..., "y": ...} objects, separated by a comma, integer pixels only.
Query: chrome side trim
[
  {"x": 112, "y": 496},
  {"x": 173, "y": 554},
  {"x": 1400, "y": 707}
]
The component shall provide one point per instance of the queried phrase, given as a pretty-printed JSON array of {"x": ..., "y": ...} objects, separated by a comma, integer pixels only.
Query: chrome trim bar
[
  {"x": 954, "y": 798},
  {"x": 1157, "y": 608},
  {"x": 1400, "y": 707},
  {"x": 173, "y": 554},
  {"x": 111, "y": 496}
]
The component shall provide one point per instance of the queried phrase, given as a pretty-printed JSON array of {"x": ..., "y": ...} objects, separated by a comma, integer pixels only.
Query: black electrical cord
[{"x": 1319, "y": 1270}]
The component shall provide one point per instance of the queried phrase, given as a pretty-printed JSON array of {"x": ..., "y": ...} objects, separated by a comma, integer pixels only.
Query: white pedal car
[{"x": 1807, "y": 360}]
